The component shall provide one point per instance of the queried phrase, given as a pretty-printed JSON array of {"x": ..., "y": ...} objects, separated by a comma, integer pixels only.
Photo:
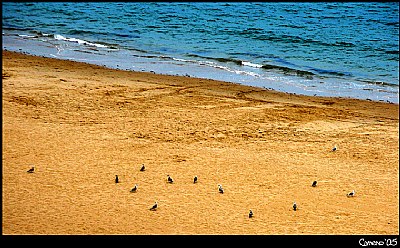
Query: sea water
[{"x": 341, "y": 49}]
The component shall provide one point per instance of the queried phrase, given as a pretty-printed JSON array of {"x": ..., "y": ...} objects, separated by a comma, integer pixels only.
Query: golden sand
[{"x": 79, "y": 125}]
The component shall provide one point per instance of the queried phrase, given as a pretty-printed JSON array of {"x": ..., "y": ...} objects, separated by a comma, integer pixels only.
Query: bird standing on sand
[
  {"x": 134, "y": 189},
  {"x": 116, "y": 179},
  {"x": 195, "y": 179},
  {"x": 294, "y": 206},
  {"x": 250, "y": 213},
  {"x": 154, "y": 206},
  {"x": 143, "y": 168},
  {"x": 334, "y": 148},
  {"x": 220, "y": 189},
  {"x": 31, "y": 169},
  {"x": 170, "y": 180},
  {"x": 351, "y": 194},
  {"x": 314, "y": 184}
]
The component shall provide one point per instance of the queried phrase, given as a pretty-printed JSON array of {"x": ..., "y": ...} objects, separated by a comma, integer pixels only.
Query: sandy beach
[{"x": 80, "y": 125}]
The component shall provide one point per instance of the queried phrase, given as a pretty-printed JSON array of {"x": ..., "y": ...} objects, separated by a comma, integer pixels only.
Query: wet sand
[{"x": 80, "y": 125}]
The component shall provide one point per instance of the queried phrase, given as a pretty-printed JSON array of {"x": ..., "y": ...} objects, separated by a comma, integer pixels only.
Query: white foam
[
  {"x": 27, "y": 36},
  {"x": 246, "y": 63},
  {"x": 79, "y": 41}
]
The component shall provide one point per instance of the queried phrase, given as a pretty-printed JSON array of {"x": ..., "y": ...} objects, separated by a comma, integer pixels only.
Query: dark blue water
[{"x": 347, "y": 49}]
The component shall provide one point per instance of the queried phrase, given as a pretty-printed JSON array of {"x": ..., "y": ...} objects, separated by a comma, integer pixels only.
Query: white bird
[
  {"x": 220, "y": 189},
  {"x": 294, "y": 206},
  {"x": 134, "y": 189},
  {"x": 154, "y": 206},
  {"x": 250, "y": 213},
  {"x": 351, "y": 194},
  {"x": 170, "y": 180}
]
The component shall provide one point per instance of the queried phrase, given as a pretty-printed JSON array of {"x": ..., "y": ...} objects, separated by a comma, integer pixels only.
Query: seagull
[
  {"x": 116, "y": 179},
  {"x": 220, "y": 189},
  {"x": 334, "y": 148},
  {"x": 195, "y": 179},
  {"x": 250, "y": 214},
  {"x": 154, "y": 206},
  {"x": 351, "y": 194},
  {"x": 294, "y": 206},
  {"x": 314, "y": 184},
  {"x": 143, "y": 168},
  {"x": 134, "y": 189},
  {"x": 31, "y": 170}
]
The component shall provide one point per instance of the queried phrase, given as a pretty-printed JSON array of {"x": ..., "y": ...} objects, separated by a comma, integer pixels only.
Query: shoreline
[
  {"x": 324, "y": 88},
  {"x": 199, "y": 79},
  {"x": 82, "y": 124}
]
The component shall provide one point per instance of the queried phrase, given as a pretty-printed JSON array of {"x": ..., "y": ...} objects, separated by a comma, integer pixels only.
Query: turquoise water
[{"x": 347, "y": 49}]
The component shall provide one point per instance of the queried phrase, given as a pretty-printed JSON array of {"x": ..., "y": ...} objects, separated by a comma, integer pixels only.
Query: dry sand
[{"x": 80, "y": 125}]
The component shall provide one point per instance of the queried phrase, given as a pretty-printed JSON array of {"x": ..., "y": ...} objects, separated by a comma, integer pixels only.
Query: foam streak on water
[{"x": 328, "y": 49}]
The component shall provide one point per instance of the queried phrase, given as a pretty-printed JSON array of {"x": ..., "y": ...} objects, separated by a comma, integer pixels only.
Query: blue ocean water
[{"x": 346, "y": 49}]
